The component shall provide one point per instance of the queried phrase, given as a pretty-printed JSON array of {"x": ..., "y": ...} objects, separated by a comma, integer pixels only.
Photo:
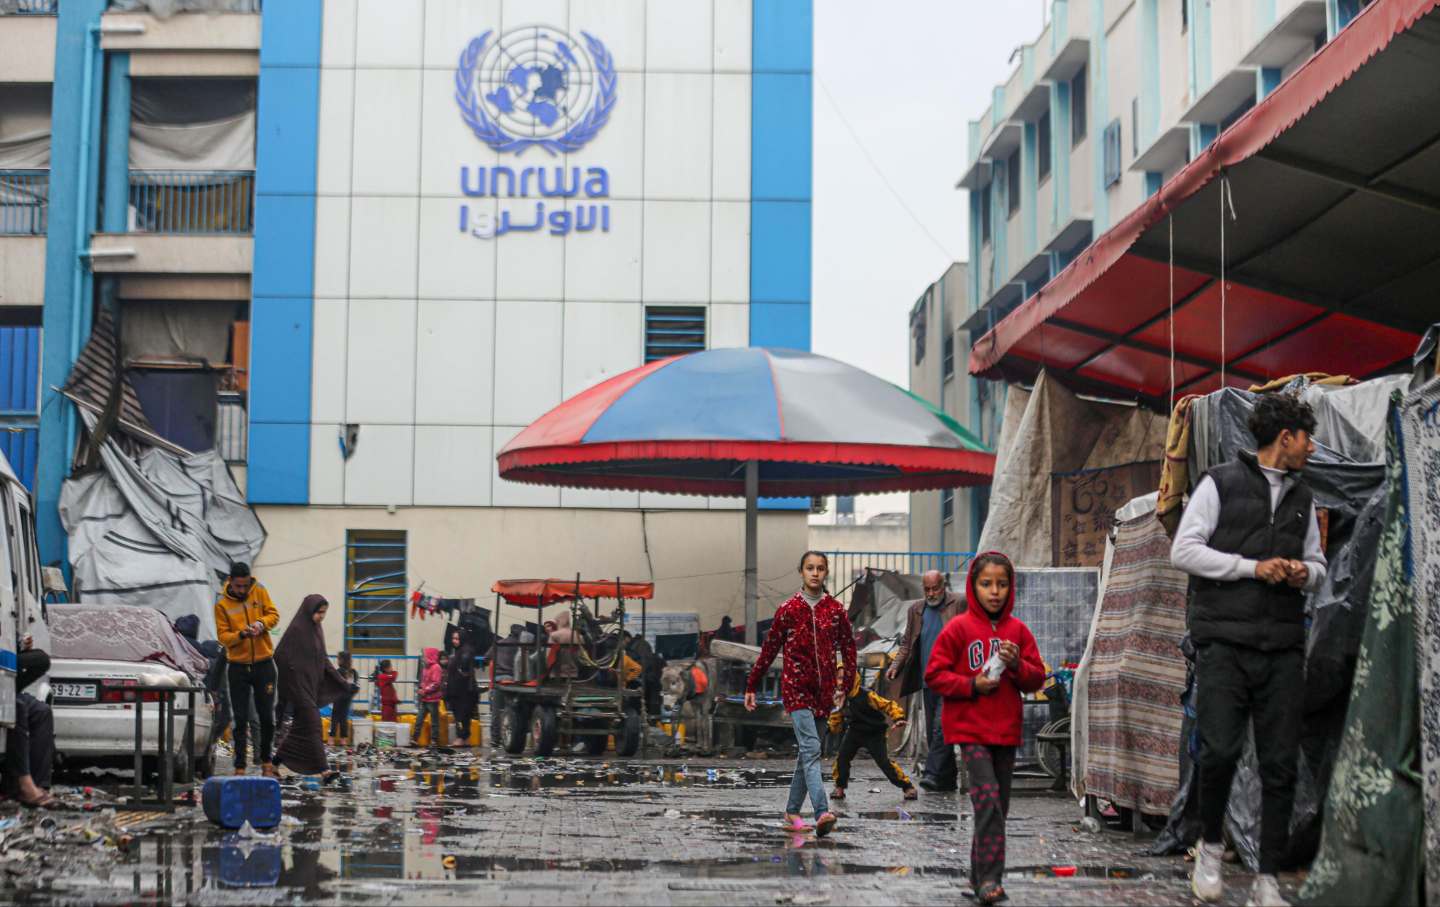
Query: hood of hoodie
[
  {"x": 432, "y": 656},
  {"x": 188, "y": 626},
  {"x": 972, "y": 599}
]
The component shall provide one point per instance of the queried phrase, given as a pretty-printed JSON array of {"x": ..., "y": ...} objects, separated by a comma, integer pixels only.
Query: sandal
[
  {"x": 824, "y": 823},
  {"x": 45, "y": 802},
  {"x": 991, "y": 893}
]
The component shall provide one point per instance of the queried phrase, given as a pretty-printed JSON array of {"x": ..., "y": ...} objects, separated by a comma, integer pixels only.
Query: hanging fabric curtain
[{"x": 227, "y": 144}]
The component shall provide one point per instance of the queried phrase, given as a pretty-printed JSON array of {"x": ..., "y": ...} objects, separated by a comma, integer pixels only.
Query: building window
[
  {"x": 1078, "y": 109},
  {"x": 1112, "y": 153},
  {"x": 1234, "y": 115},
  {"x": 1184, "y": 16},
  {"x": 947, "y": 361},
  {"x": 376, "y": 591},
  {"x": 985, "y": 214},
  {"x": 947, "y": 505},
  {"x": 1012, "y": 182},
  {"x": 20, "y": 393},
  {"x": 1134, "y": 128},
  {"x": 917, "y": 328},
  {"x": 673, "y": 331},
  {"x": 1042, "y": 142}
]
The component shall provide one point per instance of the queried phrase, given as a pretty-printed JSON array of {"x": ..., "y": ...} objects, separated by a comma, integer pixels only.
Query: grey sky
[{"x": 907, "y": 76}]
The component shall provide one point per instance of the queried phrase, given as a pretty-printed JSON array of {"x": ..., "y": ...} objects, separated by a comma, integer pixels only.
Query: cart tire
[
  {"x": 1051, "y": 756},
  {"x": 627, "y": 742},
  {"x": 515, "y": 728},
  {"x": 545, "y": 730},
  {"x": 595, "y": 744}
]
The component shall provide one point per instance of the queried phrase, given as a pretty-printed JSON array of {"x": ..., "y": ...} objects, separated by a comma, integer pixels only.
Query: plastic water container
[
  {"x": 362, "y": 731},
  {"x": 232, "y": 801},
  {"x": 384, "y": 734},
  {"x": 402, "y": 734},
  {"x": 250, "y": 867}
]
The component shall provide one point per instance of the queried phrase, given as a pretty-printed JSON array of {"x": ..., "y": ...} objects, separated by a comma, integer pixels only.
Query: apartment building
[
  {"x": 1109, "y": 102},
  {"x": 358, "y": 245},
  {"x": 950, "y": 520}
]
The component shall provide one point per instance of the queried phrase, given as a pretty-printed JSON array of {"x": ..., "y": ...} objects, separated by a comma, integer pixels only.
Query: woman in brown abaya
[{"x": 308, "y": 681}]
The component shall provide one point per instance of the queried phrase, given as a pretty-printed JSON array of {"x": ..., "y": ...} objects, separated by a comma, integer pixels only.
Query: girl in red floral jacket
[
  {"x": 811, "y": 627},
  {"x": 982, "y": 710}
]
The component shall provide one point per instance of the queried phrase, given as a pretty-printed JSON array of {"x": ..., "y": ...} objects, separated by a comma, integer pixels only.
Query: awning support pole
[{"x": 752, "y": 520}]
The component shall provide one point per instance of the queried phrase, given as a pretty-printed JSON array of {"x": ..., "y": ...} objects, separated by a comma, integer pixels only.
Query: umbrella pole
[{"x": 752, "y": 519}]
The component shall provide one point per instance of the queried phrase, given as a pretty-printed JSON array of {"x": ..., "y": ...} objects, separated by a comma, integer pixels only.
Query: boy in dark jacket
[{"x": 866, "y": 715}]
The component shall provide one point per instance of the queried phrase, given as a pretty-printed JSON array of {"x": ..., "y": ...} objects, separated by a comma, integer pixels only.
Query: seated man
[{"x": 30, "y": 745}]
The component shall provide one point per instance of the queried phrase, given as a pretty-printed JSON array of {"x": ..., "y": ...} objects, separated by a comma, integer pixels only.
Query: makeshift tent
[{"x": 1048, "y": 431}]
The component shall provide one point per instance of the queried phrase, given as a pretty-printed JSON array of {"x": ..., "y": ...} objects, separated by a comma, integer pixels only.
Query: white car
[{"x": 104, "y": 658}]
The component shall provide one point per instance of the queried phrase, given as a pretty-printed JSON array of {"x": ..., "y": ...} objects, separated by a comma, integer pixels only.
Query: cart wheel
[
  {"x": 1052, "y": 757},
  {"x": 515, "y": 729},
  {"x": 545, "y": 729},
  {"x": 627, "y": 742},
  {"x": 595, "y": 744}
]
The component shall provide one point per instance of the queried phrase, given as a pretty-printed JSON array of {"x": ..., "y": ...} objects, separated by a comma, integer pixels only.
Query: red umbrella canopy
[{"x": 689, "y": 424}]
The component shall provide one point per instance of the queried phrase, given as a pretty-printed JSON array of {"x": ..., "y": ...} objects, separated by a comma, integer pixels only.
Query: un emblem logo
[{"x": 535, "y": 87}]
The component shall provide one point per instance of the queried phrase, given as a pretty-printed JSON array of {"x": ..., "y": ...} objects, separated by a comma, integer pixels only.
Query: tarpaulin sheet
[
  {"x": 122, "y": 634},
  {"x": 158, "y": 530}
]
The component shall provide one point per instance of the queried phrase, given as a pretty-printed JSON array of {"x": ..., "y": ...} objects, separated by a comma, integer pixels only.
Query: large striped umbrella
[{"x": 747, "y": 422}]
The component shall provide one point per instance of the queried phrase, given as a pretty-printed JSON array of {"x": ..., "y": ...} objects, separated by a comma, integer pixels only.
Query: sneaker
[
  {"x": 929, "y": 784},
  {"x": 1205, "y": 879},
  {"x": 911, "y": 793},
  {"x": 1265, "y": 892},
  {"x": 796, "y": 824},
  {"x": 824, "y": 824},
  {"x": 838, "y": 793}
]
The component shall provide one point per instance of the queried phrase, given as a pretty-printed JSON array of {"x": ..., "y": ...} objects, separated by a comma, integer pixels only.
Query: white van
[{"x": 21, "y": 590}]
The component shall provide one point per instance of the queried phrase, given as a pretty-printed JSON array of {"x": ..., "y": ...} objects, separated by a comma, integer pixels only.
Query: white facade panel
[
  {"x": 451, "y": 24},
  {"x": 335, "y": 142},
  {"x": 730, "y": 252},
  {"x": 729, "y": 325},
  {"x": 455, "y": 264},
  {"x": 620, "y": 146},
  {"x": 731, "y": 138},
  {"x": 527, "y": 360},
  {"x": 381, "y": 361},
  {"x": 677, "y": 133},
  {"x": 620, "y": 26},
  {"x": 450, "y": 463},
  {"x": 733, "y": 29},
  {"x": 532, "y": 265},
  {"x": 520, "y": 13},
  {"x": 380, "y": 470},
  {"x": 330, "y": 340},
  {"x": 606, "y": 266},
  {"x": 517, "y": 494},
  {"x": 678, "y": 36},
  {"x": 677, "y": 252},
  {"x": 337, "y": 44},
  {"x": 332, "y": 246},
  {"x": 387, "y": 132},
  {"x": 455, "y": 362},
  {"x": 449, "y": 144},
  {"x": 383, "y": 240},
  {"x": 602, "y": 339},
  {"x": 327, "y": 465},
  {"x": 387, "y": 33}
]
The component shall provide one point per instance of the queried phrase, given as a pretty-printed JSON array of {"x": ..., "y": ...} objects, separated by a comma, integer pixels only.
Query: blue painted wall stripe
[
  {"x": 282, "y": 307},
  {"x": 781, "y": 150},
  {"x": 70, "y": 217},
  {"x": 116, "y": 208}
]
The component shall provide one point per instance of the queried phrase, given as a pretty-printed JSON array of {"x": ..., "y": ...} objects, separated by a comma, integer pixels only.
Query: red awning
[
  {"x": 1331, "y": 258},
  {"x": 549, "y": 591}
]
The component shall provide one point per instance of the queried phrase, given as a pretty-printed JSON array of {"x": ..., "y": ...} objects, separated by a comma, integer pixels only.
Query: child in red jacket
[
  {"x": 982, "y": 661},
  {"x": 385, "y": 677}
]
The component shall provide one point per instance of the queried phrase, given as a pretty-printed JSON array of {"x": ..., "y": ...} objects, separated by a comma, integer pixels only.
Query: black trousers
[
  {"x": 1236, "y": 686},
  {"x": 30, "y": 745},
  {"x": 340, "y": 718},
  {"x": 874, "y": 742},
  {"x": 990, "y": 770},
  {"x": 939, "y": 755},
  {"x": 31, "y": 666},
  {"x": 257, "y": 680}
]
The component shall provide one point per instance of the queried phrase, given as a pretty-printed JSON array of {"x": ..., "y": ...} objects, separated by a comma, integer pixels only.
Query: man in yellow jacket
[{"x": 244, "y": 617}]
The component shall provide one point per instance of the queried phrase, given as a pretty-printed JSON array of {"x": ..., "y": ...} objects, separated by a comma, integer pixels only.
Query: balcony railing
[
  {"x": 24, "y": 202},
  {"x": 29, "y": 7},
  {"x": 178, "y": 201}
]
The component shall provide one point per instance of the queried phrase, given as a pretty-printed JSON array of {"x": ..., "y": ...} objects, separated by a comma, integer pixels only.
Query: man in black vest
[{"x": 1251, "y": 543}]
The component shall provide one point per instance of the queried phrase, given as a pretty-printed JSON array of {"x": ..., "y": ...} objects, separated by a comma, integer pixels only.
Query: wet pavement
[{"x": 468, "y": 827}]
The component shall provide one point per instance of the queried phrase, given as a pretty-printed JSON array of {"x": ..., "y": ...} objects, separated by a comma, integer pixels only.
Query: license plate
[{"x": 83, "y": 692}]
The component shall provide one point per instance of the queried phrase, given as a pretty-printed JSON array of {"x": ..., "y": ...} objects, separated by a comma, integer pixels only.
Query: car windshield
[{"x": 121, "y": 633}]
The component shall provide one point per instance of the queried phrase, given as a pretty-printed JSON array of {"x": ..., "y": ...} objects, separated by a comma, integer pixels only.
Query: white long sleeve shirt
[{"x": 1191, "y": 551}]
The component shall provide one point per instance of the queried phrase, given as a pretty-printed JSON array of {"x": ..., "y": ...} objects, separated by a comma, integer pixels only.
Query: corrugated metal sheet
[
  {"x": 94, "y": 372},
  {"x": 231, "y": 427},
  {"x": 19, "y": 370}
]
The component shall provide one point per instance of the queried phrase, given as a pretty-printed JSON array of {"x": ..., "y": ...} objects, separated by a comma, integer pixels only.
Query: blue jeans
[{"x": 807, "y": 766}]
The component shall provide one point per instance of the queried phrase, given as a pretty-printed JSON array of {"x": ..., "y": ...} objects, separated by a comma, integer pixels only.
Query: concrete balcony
[
  {"x": 187, "y": 44},
  {"x": 29, "y": 46},
  {"x": 156, "y": 253}
]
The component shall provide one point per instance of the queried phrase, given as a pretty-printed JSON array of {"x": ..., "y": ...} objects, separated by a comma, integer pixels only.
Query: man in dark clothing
[
  {"x": 923, "y": 623},
  {"x": 30, "y": 744},
  {"x": 1251, "y": 543},
  {"x": 726, "y": 631}
]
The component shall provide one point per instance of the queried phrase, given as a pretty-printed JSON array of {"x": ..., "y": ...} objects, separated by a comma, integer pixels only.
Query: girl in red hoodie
[
  {"x": 982, "y": 711},
  {"x": 384, "y": 678}
]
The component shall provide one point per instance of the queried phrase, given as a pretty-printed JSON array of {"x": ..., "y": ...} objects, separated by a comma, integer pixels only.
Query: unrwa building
[{"x": 456, "y": 214}]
